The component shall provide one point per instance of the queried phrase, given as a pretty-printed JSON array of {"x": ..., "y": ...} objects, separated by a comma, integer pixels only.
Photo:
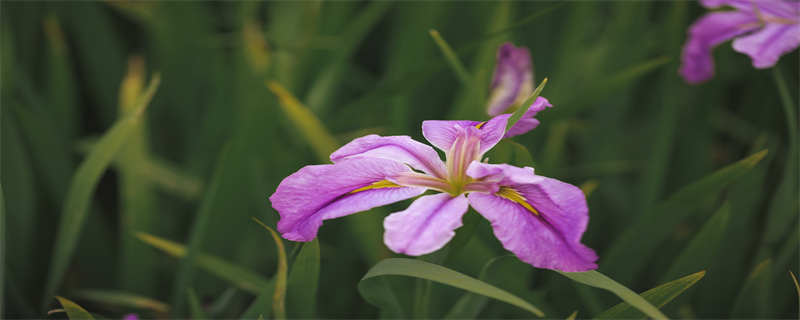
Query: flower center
[{"x": 465, "y": 149}]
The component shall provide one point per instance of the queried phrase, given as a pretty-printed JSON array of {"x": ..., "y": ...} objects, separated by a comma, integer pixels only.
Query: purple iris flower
[
  {"x": 539, "y": 219},
  {"x": 512, "y": 83},
  {"x": 764, "y": 30}
]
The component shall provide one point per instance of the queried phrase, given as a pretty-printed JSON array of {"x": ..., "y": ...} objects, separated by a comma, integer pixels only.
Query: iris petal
[
  {"x": 426, "y": 226},
  {"x": 320, "y": 192},
  {"x": 399, "y": 148},
  {"x": 710, "y": 30},
  {"x": 767, "y": 45}
]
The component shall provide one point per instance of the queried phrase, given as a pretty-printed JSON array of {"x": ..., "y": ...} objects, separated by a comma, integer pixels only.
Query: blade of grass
[
  {"x": 241, "y": 277},
  {"x": 279, "y": 295},
  {"x": 630, "y": 251},
  {"x": 138, "y": 207},
  {"x": 320, "y": 139},
  {"x": 324, "y": 86},
  {"x": 2, "y": 250},
  {"x": 522, "y": 108},
  {"x": 123, "y": 299},
  {"x": 424, "y": 270},
  {"x": 702, "y": 249},
  {"x": 796, "y": 286},
  {"x": 195, "y": 307},
  {"x": 301, "y": 296},
  {"x": 658, "y": 296},
  {"x": 599, "y": 280},
  {"x": 749, "y": 302},
  {"x": 76, "y": 205},
  {"x": 452, "y": 59},
  {"x": 74, "y": 311},
  {"x": 471, "y": 304}
]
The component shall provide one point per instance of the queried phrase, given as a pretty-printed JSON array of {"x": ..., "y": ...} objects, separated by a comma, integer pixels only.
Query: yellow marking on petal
[
  {"x": 480, "y": 125},
  {"x": 377, "y": 185},
  {"x": 514, "y": 196}
]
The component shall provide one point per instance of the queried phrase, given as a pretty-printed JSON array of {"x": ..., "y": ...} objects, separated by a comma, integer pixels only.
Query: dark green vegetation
[{"x": 127, "y": 204}]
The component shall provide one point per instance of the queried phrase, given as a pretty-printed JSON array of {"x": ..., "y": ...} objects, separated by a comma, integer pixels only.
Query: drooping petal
[
  {"x": 399, "y": 148},
  {"x": 442, "y": 133},
  {"x": 774, "y": 8},
  {"x": 528, "y": 122},
  {"x": 710, "y": 30},
  {"x": 767, "y": 45},
  {"x": 320, "y": 192},
  {"x": 530, "y": 237},
  {"x": 539, "y": 219},
  {"x": 426, "y": 226},
  {"x": 512, "y": 80}
]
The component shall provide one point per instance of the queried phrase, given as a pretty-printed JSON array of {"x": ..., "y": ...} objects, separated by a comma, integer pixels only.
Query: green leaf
[
  {"x": 703, "y": 247},
  {"x": 796, "y": 286},
  {"x": 123, "y": 299},
  {"x": 195, "y": 307},
  {"x": 599, "y": 280},
  {"x": 631, "y": 250},
  {"x": 750, "y": 301},
  {"x": 658, "y": 296},
  {"x": 452, "y": 59},
  {"x": 301, "y": 296},
  {"x": 74, "y": 311},
  {"x": 238, "y": 276},
  {"x": 523, "y": 107},
  {"x": 2, "y": 249},
  {"x": 315, "y": 132},
  {"x": 279, "y": 294},
  {"x": 82, "y": 186},
  {"x": 573, "y": 315},
  {"x": 424, "y": 270},
  {"x": 470, "y": 304}
]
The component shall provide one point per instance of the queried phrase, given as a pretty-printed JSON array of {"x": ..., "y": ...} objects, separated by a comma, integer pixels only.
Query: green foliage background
[{"x": 215, "y": 141}]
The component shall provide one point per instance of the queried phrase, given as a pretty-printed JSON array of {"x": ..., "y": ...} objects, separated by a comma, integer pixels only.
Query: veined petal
[
  {"x": 443, "y": 133},
  {"x": 710, "y": 30},
  {"x": 539, "y": 219},
  {"x": 426, "y": 226},
  {"x": 320, "y": 192},
  {"x": 767, "y": 45},
  {"x": 512, "y": 80},
  {"x": 776, "y": 8},
  {"x": 398, "y": 148},
  {"x": 531, "y": 237},
  {"x": 528, "y": 122}
]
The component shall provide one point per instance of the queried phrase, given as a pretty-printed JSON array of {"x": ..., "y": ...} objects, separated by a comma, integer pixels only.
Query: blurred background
[{"x": 102, "y": 198}]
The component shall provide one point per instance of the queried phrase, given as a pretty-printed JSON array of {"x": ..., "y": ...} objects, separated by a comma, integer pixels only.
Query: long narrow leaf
[
  {"x": 2, "y": 249},
  {"x": 523, "y": 107},
  {"x": 74, "y": 311},
  {"x": 279, "y": 295},
  {"x": 424, "y": 270},
  {"x": 599, "y": 280},
  {"x": 76, "y": 205},
  {"x": 301, "y": 295},
  {"x": 236, "y": 275},
  {"x": 320, "y": 139},
  {"x": 630, "y": 251},
  {"x": 658, "y": 296},
  {"x": 123, "y": 299},
  {"x": 700, "y": 251},
  {"x": 452, "y": 59}
]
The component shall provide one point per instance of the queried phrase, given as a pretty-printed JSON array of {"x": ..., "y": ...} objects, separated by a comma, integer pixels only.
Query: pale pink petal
[
  {"x": 767, "y": 45},
  {"x": 320, "y": 192},
  {"x": 426, "y": 226}
]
